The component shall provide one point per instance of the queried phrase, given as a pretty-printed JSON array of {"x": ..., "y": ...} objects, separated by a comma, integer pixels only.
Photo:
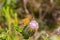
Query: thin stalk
[
  {"x": 16, "y": 20},
  {"x": 7, "y": 17}
]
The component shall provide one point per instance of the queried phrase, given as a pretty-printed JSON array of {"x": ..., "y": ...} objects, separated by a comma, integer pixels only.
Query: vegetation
[{"x": 22, "y": 19}]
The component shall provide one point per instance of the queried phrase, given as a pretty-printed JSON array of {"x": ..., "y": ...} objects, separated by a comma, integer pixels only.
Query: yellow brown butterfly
[{"x": 27, "y": 19}]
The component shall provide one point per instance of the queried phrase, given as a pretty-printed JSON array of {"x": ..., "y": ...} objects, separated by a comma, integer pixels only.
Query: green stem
[{"x": 8, "y": 19}]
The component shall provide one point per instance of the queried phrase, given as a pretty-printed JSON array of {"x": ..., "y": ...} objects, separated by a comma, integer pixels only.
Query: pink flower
[{"x": 33, "y": 24}]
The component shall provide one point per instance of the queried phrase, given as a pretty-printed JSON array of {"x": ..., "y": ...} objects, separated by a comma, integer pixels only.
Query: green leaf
[
  {"x": 3, "y": 35},
  {"x": 18, "y": 29}
]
